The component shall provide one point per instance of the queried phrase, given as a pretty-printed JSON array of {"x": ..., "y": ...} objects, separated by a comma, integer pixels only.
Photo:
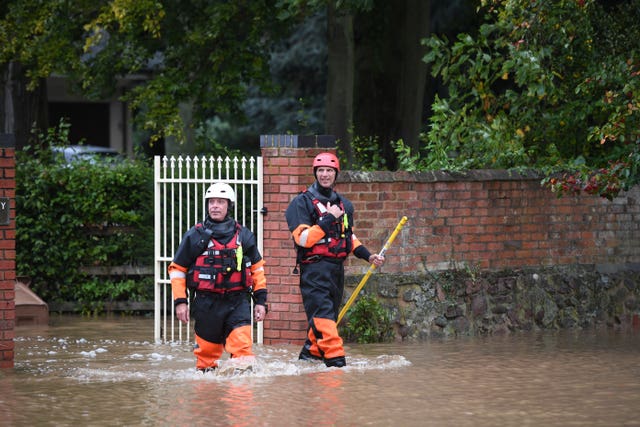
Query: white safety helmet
[{"x": 220, "y": 190}]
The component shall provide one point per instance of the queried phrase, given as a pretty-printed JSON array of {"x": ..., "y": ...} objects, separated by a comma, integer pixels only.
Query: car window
[
  {"x": 96, "y": 157},
  {"x": 87, "y": 153}
]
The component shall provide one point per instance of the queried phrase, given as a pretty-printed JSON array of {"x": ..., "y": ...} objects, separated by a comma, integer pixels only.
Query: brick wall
[
  {"x": 7, "y": 257},
  {"x": 286, "y": 173},
  {"x": 489, "y": 220}
]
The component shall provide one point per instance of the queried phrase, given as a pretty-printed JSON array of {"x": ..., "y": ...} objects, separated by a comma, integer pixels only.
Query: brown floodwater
[{"x": 109, "y": 372}]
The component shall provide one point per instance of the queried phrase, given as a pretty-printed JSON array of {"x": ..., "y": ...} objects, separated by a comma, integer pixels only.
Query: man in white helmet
[{"x": 219, "y": 261}]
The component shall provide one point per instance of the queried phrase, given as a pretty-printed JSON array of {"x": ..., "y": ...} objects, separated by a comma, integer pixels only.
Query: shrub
[
  {"x": 367, "y": 322},
  {"x": 83, "y": 214},
  {"x": 553, "y": 86}
]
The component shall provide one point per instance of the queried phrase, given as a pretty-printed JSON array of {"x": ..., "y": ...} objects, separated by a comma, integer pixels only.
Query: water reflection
[{"x": 108, "y": 372}]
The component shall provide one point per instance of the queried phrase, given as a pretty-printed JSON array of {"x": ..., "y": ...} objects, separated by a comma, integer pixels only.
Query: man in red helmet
[{"x": 321, "y": 223}]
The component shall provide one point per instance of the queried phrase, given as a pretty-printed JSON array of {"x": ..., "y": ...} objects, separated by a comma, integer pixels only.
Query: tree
[
  {"x": 298, "y": 66},
  {"x": 32, "y": 46},
  {"x": 376, "y": 76},
  {"x": 378, "y": 82},
  {"x": 549, "y": 85},
  {"x": 207, "y": 55},
  {"x": 340, "y": 78},
  {"x": 201, "y": 53},
  {"x": 390, "y": 73}
]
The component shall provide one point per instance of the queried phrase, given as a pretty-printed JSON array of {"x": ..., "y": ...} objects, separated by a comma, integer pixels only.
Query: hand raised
[{"x": 335, "y": 210}]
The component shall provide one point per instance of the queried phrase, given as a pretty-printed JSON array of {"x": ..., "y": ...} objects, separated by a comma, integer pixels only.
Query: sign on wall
[{"x": 4, "y": 211}]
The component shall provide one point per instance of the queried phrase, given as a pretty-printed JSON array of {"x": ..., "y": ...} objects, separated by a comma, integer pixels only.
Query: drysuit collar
[
  {"x": 221, "y": 229},
  {"x": 323, "y": 193}
]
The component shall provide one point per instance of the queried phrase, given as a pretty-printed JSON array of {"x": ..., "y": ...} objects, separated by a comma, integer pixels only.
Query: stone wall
[
  {"x": 482, "y": 221},
  {"x": 7, "y": 250},
  {"x": 454, "y": 303}
]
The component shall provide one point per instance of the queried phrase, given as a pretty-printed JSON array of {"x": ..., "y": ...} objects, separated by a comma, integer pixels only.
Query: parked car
[{"x": 90, "y": 153}]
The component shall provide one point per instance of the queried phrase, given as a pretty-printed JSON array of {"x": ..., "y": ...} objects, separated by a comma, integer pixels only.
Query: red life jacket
[
  {"x": 221, "y": 268},
  {"x": 336, "y": 244}
]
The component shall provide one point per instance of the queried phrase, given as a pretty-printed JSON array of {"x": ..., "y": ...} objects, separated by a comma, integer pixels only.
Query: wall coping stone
[{"x": 439, "y": 175}]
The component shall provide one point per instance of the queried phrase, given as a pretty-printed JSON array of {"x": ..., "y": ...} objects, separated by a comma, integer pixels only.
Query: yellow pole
[{"x": 370, "y": 270}]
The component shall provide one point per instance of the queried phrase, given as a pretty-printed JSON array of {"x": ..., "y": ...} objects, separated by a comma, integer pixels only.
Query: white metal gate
[{"x": 179, "y": 187}]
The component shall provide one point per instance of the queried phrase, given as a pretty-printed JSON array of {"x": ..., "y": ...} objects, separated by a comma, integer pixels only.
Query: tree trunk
[
  {"x": 340, "y": 80},
  {"x": 413, "y": 72},
  {"x": 390, "y": 74},
  {"x": 21, "y": 109}
]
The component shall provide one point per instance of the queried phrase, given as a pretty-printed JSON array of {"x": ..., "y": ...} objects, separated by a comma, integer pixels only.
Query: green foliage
[
  {"x": 93, "y": 293},
  {"x": 367, "y": 154},
  {"x": 42, "y": 36},
  {"x": 205, "y": 55},
  {"x": 294, "y": 8},
  {"x": 80, "y": 214},
  {"x": 217, "y": 136},
  {"x": 298, "y": 67},
  {"x": 367, "y": 321},
  {"x": 549, "y": 85}
]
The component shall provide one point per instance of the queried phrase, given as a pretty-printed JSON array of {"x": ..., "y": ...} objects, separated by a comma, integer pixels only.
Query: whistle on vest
[{"x": 228, "y": 265}]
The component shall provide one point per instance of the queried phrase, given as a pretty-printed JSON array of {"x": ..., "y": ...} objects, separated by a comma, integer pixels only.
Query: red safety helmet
[{"x": 326, "y": 159}]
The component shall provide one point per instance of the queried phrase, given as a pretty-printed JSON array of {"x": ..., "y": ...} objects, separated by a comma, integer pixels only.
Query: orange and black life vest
[
  {"x": 221, "y": 268},
  {"x": 336, "y": 244}
]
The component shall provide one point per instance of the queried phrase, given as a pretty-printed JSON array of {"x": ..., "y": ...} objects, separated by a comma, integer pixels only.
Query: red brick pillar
[
  {"x": 287, "y": 171},
  {"x": 7, "y": 249}
]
